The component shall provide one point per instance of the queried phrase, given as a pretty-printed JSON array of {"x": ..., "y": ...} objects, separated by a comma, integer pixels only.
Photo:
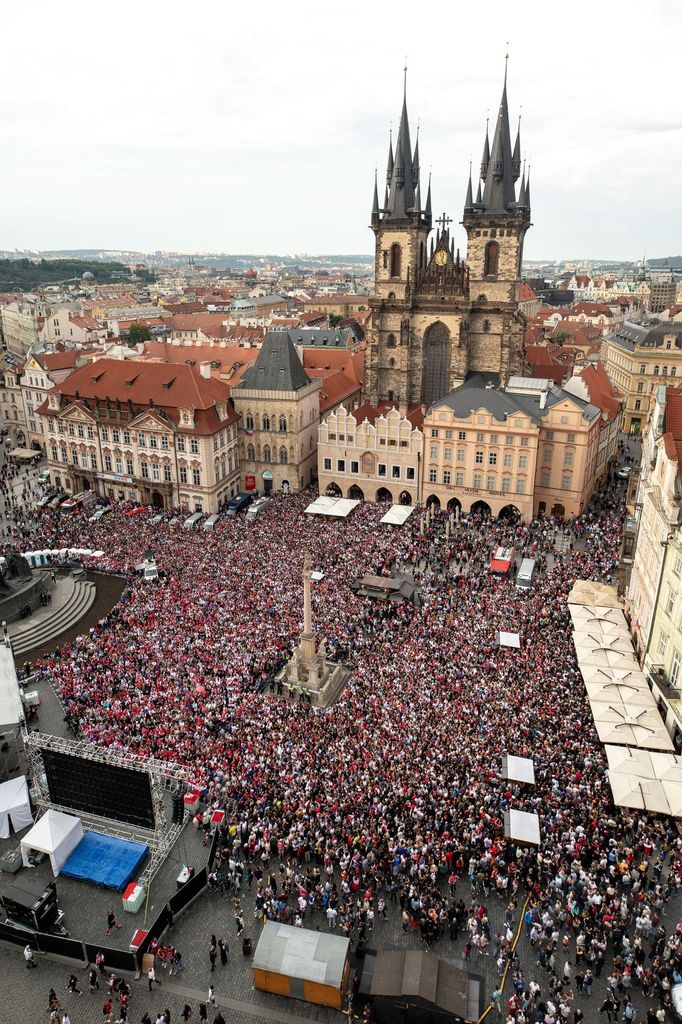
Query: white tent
[
  {"x": 11, "y": 709},
  {"x": 56, "y": 834},
  {"x": 609, "y": 692},
  {"x": 14, "y": 806},
  {"x": 397, "y": 515}
]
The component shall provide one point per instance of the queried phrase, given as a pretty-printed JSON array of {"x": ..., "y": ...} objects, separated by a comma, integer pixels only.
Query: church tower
[
  {"x": 401, "y": 229},
  {"x": 496, "y": 223}
]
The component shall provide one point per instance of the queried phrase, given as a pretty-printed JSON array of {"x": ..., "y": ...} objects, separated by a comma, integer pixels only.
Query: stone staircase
[{"x": 71, "y": 601}]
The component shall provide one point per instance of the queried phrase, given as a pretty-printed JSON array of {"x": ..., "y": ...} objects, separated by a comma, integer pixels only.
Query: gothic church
[{"x": 436, "y": 317}]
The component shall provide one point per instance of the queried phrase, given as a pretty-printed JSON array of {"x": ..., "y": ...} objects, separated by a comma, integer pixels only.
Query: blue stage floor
[{"x": 105, "y": 861}]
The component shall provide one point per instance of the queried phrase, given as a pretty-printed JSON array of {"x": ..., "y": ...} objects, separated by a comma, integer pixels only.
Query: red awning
[{"x": 497, "y": 566}]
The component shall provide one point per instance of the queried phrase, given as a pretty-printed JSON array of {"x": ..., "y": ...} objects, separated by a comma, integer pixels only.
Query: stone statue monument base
[{"x": 316, "y": 681}]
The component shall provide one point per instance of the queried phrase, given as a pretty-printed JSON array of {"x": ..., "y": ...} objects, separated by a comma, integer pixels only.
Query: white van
[
  {"x": 192, "y": 521},
  {"x": 210, "y": 522},
  {"x": 259, "y": 505},
  {"x": 524, "y": 576}
]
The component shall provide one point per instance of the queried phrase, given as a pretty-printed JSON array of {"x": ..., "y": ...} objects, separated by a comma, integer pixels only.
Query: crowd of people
[{"x": 392, "y": 801}]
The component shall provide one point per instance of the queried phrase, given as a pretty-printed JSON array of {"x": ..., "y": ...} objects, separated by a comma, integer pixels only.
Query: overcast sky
[{"x": 256, "y": 127}]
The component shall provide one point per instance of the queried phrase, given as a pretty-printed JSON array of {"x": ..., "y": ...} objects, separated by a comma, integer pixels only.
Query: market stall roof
[
  {"x": 397, "y": 515},
  {"x": 595, "y": 616},
  {"x": 25, "y": 453},
  {"x": 518, "y": 769},
  {"x": 606, "y": 659},
  {"x": 620, "y": 693},
  {"x": 604, "y": 674},
  {"x": 302, "y": 953},
  {"x": 339, "y": 508},
  {"x": 637, "y": 727},
  {"x": 508, "y": 639},
  {"x": 594, "y": 594},
  {"x": 522, "y": 827},
  {"x": 645, "y": 794}
]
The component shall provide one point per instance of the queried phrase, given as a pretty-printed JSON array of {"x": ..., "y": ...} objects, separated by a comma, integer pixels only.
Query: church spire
[
  {"x": 485, "y": 159},
  {"x": 527, "y": 189},
  {"x": 427, "y": 208},
  {"x": 401, "y": 190},
  {"x": 499, "y": 195},
  {"x": 469, "y": 201},
  {"x": 516, "y": 158},
  {"x": 415, "y": 162},
  {"x": 389, "y": 164},
  {"x": 375, "y": 201}
]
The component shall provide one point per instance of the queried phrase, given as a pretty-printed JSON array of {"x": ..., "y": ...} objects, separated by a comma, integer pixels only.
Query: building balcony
[{"x": 660, "y": 677}]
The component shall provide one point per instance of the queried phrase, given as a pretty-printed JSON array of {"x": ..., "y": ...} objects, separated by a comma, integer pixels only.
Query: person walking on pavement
[
  {"x": 212, "y": 954},
  {"x": 211, "y": 995},
  {"x": 93, "y": 980},
  {"x": 111, "y": 923},
  {"x": 224, "y": 949},
  {"x": 73, "y": 985},
  {"x": 151, "y": 977},
  {"x": 28, "y": 957}
]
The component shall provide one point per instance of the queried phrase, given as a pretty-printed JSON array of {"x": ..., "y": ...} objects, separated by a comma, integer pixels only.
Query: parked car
[
  {"x": 259, "y": 505},
  {"x": 624, "y": 472},
  {"x": 193, "y": 520},
  {"x": 99, "y": 514}
]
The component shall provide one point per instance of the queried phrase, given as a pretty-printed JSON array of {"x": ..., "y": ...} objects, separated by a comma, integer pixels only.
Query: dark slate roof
[
  {"x": 475, "y": 394},
  {"x": 342, "y": 337},
  {"x": 277, "y": 367},
  {"x": 630, "y": 336}
]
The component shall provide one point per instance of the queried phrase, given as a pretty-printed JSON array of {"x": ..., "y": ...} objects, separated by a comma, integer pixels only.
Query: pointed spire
[
  {"x": 527, "y": 190},
  {"x": 469, "y": 201},
  {"x": 516, "y": 158},
  {"x": 401, "y": 186},
  {"x": 389, "y": 165},
  {"x": 479, "y": 200},
  {"x": 375, "y": 201},
  {"x": 499, "y": 195},
  {"x": 521, "y": 201},
  {"x": 415, "y": 162},
  {"x": 427, "y": 211},
  {"x": 418, "y": 199},
  {"x": 485, "y": 159}
]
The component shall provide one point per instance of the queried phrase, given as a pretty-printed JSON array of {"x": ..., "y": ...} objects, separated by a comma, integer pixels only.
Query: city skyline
[{"x": 206, "y": 146}]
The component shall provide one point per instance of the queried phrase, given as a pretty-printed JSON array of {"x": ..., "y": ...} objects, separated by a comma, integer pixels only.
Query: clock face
[{"x": 441, "y": 257}]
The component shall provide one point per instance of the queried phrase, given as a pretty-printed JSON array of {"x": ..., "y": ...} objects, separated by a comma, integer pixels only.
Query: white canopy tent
[
  {"x": 631, "y": 725},
  {"x": 56, "y": 834},
  {"x": 338, "y": 508},
  {"x": 508, "y": 639},
  {"x": 15, "y": 807},
  {"x": 645, "y": 794},
  {"x": 11, "y": 708},
  {"x": 593, "y": 594},
  {"x": 609, "y": 692},
  {"x": 522, "y": 827},
  {"x": 645, "y": 779},
  {"x": 604, "y": 674},
  {"x": 588, "y": 614},
  {"x": 397, "y": 515},
  {"x": 518, "y": 769},
  {"x": 606, "y": 659}
]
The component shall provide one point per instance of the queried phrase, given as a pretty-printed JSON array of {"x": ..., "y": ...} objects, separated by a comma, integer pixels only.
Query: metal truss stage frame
[{"x": 162, "y": 777}]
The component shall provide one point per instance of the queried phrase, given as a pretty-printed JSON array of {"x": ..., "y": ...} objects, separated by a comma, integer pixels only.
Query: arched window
[
  {"x": 390, "y": 341},
  {"x": 282, "y": 424},
  {"x": 266, "y": 421},
  {"x": 391, "y": 362},
  {"x": 665, "y": 371},
  {"x": 655, "y": 371},
  {"x": 249, "y": 421},
  {"x": 492, "y": 258},
  {"x": 283, "y": 457},
  {"x": 250, "y": 453},
  {"x": 266, "y": 453},
  {"x": 396, "y": 259}
]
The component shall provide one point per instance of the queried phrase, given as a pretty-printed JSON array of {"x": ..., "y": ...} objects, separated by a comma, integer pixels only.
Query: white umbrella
[
  {"x": 606, "y": 674},
  {"x": 619, "y": 693},
  {"x": 646, "y": 794},
  {"x": 637, "y": 763},
  {"x": 673, "y": 794},
  {"x": 607, "y": 659},
  {"x": 667, "y": 767}
]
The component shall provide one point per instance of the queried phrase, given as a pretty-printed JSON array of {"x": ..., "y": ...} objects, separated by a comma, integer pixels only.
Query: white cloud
[{"x": 257, "y": 128}]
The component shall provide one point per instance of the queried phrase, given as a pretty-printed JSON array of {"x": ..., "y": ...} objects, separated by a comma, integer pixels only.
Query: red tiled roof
[
  {"x": 415, "y": 413},
  {"x": 600, "y": 389},
  {"x": 526, "y": 293},
  {"x": 673, "y": 423},
  {"x": 210, "y": 324},
  {"x": 59, "y": 360}
]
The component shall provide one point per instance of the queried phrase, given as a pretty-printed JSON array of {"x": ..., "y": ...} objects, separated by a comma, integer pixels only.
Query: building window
[
  {"x": 156, "y": 471},
  {"x": 93, "y": 462},
  {"x": 433, "y": 476},
  {"x": 194, "y": 446},
  {"x": 84, "y": 461},
  {"x": 544, "y": 478},
  {"x": 665, "y": 371},
  {"x": 673, "y": 371},
  {"x": 141, "y": 440},
  {"x": 508, "y": 459},
  {"x": 662, "y": 644},
  {"x": 183, "y": 474},
  {"x": 461, "y": 435},
  {"x": 670, "y": 603},
  {"x": 355, "y": 467},
  {"x": 340, "y": 465},
  {"x": 642, "y": 368},
  {"x": 55, "y": 456},
  {"x": 433, "y": 451},
  {"x": 196, "y": 477},
  {"x": 675, "y": 669},
  {"x": 479, "y": 458},
  {"x": 144, "y": 470},
  {"x": 447, "y": 454},
  {"x": 266, "y": 421},
  {"x": 283, "y": 456},
  {"x": 396, "y": 259},
  {"x": 492, "y": 458},
  {"x": 490, "y": 483},
  {"x": 181, "y": 444},
  {"x": 282, "y": 424},
  {"x": 570, "y": 438},
  {"x": 638, "y": 404},
  {"x": 167, "y": 474},
  {"x": 266, "y": 453},
  {"x": 523, "y": 462},
  {"x": 478, "y": 479},
  {"x": 447, "y": 476},
  {"x": 494, "y": 439},
  {"x": 524, "y": 442},
  {"x": 640, "y": 387},
  {"x": 80, "y": 430},
  {"x": 250, "y": 453},
  {"x": 118, "y": 466},
  {"x": 509, "y": 439},
  {"x": 409, "y": 472},
  {"x": 521, "y": 485},
  {"x": 461, "y": 455},
  {"x": 656, "y": 368},
  {"x": 153, "y": 441},
  {"x": 568, "y": 458},
  {"x": 130, "y": 467},
  {"x": 506, "y": 484},
  {"x": 677, "y": 568},
  {"x": 107, "y": 463},
  {"x": 459, "y": 479},
  {"x": 566, "y": 482},
  {"x": 395, "y": 472},
  {"x": 491, "y": 259},
  {"x": 164, "y": 442},
  {"x": 126, "y": 437},
  {"x": 381, "y": 469},
  {"x": 328, "y": 465},
  {"x": 115, "y": 435},
  {"x": 434, "y": 432},
  {"x": 547, "y": 456},
  {"x": 249, "y": 421},
  {"x": 448, "y": 435},
  {"x": 480, "y": 438},
  {"x": 390, "y": 341}
]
